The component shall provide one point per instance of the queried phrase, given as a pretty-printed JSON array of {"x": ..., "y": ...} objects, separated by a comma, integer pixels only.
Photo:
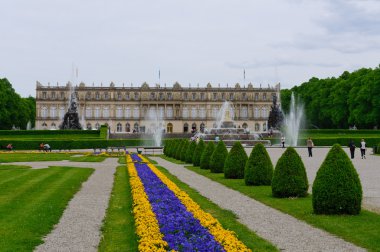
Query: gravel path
[
  {"x": 79, "y": 226},
  {"x": 286, "y": 232}
]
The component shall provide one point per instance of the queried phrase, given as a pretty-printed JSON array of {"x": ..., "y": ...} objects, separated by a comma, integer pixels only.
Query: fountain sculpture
[
  {"x": 156, "y": 126},
  {"x": 71, "y": 118},
  {"x": 227, "y": 131}
]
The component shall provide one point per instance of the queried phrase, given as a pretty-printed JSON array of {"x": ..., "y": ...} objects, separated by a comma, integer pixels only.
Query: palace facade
[{"x": 126, "y": 109}]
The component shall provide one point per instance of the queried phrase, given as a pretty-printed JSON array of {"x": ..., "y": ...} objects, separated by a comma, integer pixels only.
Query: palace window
[
  {"x": 194, "y": 112},
  {"x": 106, "y": 96},
  {"x": 136, "y": 127},
  {"x": 264, "y": 126},
  {"x": 214, "y": 96},
  {"x": 256, "y": 113},
  {"x": 62, "y": 94},
  {"x": 127, "y": 96},
  {"x": 161, "y": 96},
  {"x": 97, "y": 96},
  {"x": 97, "y": 126},
  {"x": 202, "y": 127},
  {"x": 53, "y": 112},
  {"x": 185, "y": 112},
  {"x": 97, "y": 112},
  {"x": 136, "y": 112},
  {"x": 185, "y": 96},
  {"x": 202, "y": 112},
  {"x": 244, "y": 96},
  {"x": 256, "y": 96},
  {"x": 169, "y": 112},
  {"x": 264, "y": 112},
  {"x": 89, "y": 127},
  {"x": 202, "y": 96},
  {"x": 244, "y": 112},
  {"x": 119, "y": 128},
  {"x": 119, "y": 96},
  {"x": 231, "y": 96},
  {"x": 161, "y": 110},
  {"x": 88, "y": 96},
  {"x": 152, "y": 96},
  {"x": 127, "y": 127},
  {"x": 119, "y": 112},
  {"x": 127, "y": 112},
  {"x": 170, "y": 96},
  {"x": 43, "y": 95},
  {"x": 106, "y": 112},
  {"x": 136, "y": 96},
  {"x": 257, "y": 127},
  {"x": 44, "y": 112},
  {"x": 169, "y": 128},
  {"x": 53, "y": 95},
  {"x": 194, "y": 96},
  {"x": 61, "y": 112},
  {"x": 215, "y": 112},
  {"x": 186, "y": 128},
  {"x": 88, "y": 112},
  {"x": 264, "y": 96}
]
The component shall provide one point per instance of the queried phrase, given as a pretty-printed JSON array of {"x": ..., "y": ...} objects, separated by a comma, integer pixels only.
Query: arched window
[
  {"x": 169, "y": 112},
  {"x": 118, "y": 127},
  {"x": 61, "y": 112},
  {"x": 53, "y": 112},
  {"x": 119, "y": 112},
  {"x": 89, "y": 127},
  {"x": 202, "y": 127},
  {"x": 97, "y": 126},
  {"x": 194, "y": 127},
  {"x": 263, "y": 112},
  {"x": 256, "y": 113},
  {"x": 245, "y": 126},
  {"x": 97, "y": 96},
  {"x": 136, "y": 127},
  {"x": 215, "y": 112},
  {"x": 244, "y": 112},
  {"x": 257, "y": 127},
  {"x": 44, "y": 125},
  {"x": 127, "y": 127},
  {"x": 169, "y": 128},
  {"x": 106, "y": 112},
  {"x": 202, "y": 112},
  {"x": 53, "y": 126},
  {"x": 136, "y": 112},
  {"x": 88, "y": 112},
  {"x": 186, "y": 128},
  {"x": 97, "y": 112},
  {"x": 194, "y": 112},
  {"x": 264, "y": 126},
  {"x": 185, "y": 112}
]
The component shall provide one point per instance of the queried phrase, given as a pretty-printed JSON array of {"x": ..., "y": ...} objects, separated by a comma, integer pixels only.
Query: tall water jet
[
  {"x": 29, "y": 126},
  {"x": 225, "y": 116},
  {"x": 293, "y": 121},
  {"x": 155, "y": 125}
]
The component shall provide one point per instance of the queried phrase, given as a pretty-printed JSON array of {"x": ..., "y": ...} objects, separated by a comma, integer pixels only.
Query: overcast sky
[{"x": 188, "y": 41}]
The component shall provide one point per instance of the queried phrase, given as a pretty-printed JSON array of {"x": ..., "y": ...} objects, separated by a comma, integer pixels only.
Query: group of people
[
  {"x": 352, "y": 147},
  {"x": 45, "y": 147}
]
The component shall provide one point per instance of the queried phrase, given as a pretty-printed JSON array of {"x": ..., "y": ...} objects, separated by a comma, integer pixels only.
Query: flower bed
[{"x": 184, "y": 225}]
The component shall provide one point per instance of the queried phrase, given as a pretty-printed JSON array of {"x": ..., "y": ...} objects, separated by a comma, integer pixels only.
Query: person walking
[
  {"x": 362, "y": 148},
  {"x": 283, "y": 141},
  {"x": 352, "y": 149},
  {"x": 310, "y": 146}
]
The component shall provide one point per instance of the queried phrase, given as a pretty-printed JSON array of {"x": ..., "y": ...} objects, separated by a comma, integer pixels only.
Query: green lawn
[
  {"x": 119, "y": 227},
  {"x": 32, "y": 202},
  {"x": 363, "y": 229},
  {"x": 88, "y": 159}
]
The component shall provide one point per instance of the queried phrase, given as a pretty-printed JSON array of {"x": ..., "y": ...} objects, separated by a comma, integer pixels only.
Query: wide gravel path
[
  {"x": 79, "y": 226},
  {"x": 285, "y": 231}
]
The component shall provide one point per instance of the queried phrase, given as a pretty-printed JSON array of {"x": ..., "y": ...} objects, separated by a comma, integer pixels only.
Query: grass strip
[
  {"x": 31, "y": 207},
  {"x": 362, "y": 230},
  {"x": 89, "y": 158},
  {"x": 118, "y": 230},
  {"x": 30, "y": 157},
  {"x": 227, "y": 218}
]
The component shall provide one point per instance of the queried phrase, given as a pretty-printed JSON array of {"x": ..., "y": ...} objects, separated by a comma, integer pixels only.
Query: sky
[{"x": 192, "y": 42}]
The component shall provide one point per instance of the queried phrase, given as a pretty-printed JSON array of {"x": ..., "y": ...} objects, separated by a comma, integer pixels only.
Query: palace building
[{"x": 126, "y": 109}]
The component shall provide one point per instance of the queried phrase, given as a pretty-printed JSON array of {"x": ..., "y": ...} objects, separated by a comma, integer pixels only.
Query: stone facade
[{"x": 184, "y": 109}]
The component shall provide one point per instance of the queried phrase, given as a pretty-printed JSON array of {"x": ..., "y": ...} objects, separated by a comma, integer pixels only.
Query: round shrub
[
  {"x": 259, "y": 167},
  {"x": 206, "y": 155},
  {"x": 289, "y": 178},
  {"x": 337, "y": 188},
  {"x": 184, "y": 150},
  {"x": 235, "y": 162},
  {"x": 190, "y": 152},
  {"x": 198, "y": 153},
  {"x": 218, "y": 157}
]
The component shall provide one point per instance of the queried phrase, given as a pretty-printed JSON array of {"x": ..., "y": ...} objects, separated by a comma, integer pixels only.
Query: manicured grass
[
  {"x": 32, "y": 202},
  {"x": 30, "y": 157},
  {"x": 362, "y": 230},
  {"x": 88, "y": 159},
  {"x": 226, "y": 218},
  {"x": 119, "y": 227},
  {"x": 173, "y": 160}
]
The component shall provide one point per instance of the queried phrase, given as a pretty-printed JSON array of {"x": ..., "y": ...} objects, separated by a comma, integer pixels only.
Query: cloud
[{"x": 279, "y": 62}]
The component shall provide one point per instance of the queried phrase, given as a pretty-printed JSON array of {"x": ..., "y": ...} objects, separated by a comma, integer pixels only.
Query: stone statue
[
  {"x": 276, "y": 117},
  {"x": 71, "y": 118}
]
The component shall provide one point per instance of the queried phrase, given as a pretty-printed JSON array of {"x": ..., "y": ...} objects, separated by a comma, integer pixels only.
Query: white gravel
[{"x": 284, "y": 231}]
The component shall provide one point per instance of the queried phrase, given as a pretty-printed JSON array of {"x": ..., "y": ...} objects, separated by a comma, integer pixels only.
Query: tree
[
  {"x": 218, "y": 157},
  {"x": 190, "y": 152},
  {"x": 235, "y": 162},
  {"x": 198, "y": 152},
  {"x": 337, "y": 188},
  {"x": 289, "y": 178},
  {"x": 184, "y": 150},
  {"x": 206, "y": 155},
  {"x": 259, "y": 167}
]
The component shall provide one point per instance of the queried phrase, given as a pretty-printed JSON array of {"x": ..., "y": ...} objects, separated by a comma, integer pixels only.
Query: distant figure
[
  {"x": 310, "y": 146},
  {"x": 47, "y": 147},
  {"x": 10, "y": 147},
  {"x": 283, "y": 141},
  {"x": 362, "y": 148},
  {"x": 42, "y": 147},
  {"x": 352, "y": 149}
]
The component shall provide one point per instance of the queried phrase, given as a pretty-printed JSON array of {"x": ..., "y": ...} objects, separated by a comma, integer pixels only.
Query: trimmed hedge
[
  {"x": 179, "y": 149},
  {"x": 206, "y": 155},
  {"x": 185, "y": 146},
  {"x": 337, "y": 188},
  {"x": 198, "y": 153},
  {"x": 289, "y": 178},
  {"x": 190, "y": 152},
  {"x": 259, "y": 167},
  {"x": 218, "y": 157},
  {"x": 235, "y": 162}
]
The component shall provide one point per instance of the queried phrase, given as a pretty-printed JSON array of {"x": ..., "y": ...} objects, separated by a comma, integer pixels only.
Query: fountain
[
  {"x": 226, "y": 130},
  {"x": 293, "y": 122},
  {"x": 29, "y": 126},
  {"x": 156, "y": 124},
  {"x": 71, "y": 118}
]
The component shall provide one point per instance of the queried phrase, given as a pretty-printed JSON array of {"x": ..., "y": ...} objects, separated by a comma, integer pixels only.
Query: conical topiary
[
  {"x": 198, "y": 153},
  {"x": 289, "y": 178},
  {"x": 184, "y": 150},
  {"x": 259, "y": 167},
  {"x": 206, "y": 155},
  {"x": 179, "y": 149},
  {"x": 190, "y": 152},
  {"x": 235, "y": 162},
  {"x": 174, "y": 147},
  {"x": 337, "y": 188},
  {"x": 218, "y": 157}
]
